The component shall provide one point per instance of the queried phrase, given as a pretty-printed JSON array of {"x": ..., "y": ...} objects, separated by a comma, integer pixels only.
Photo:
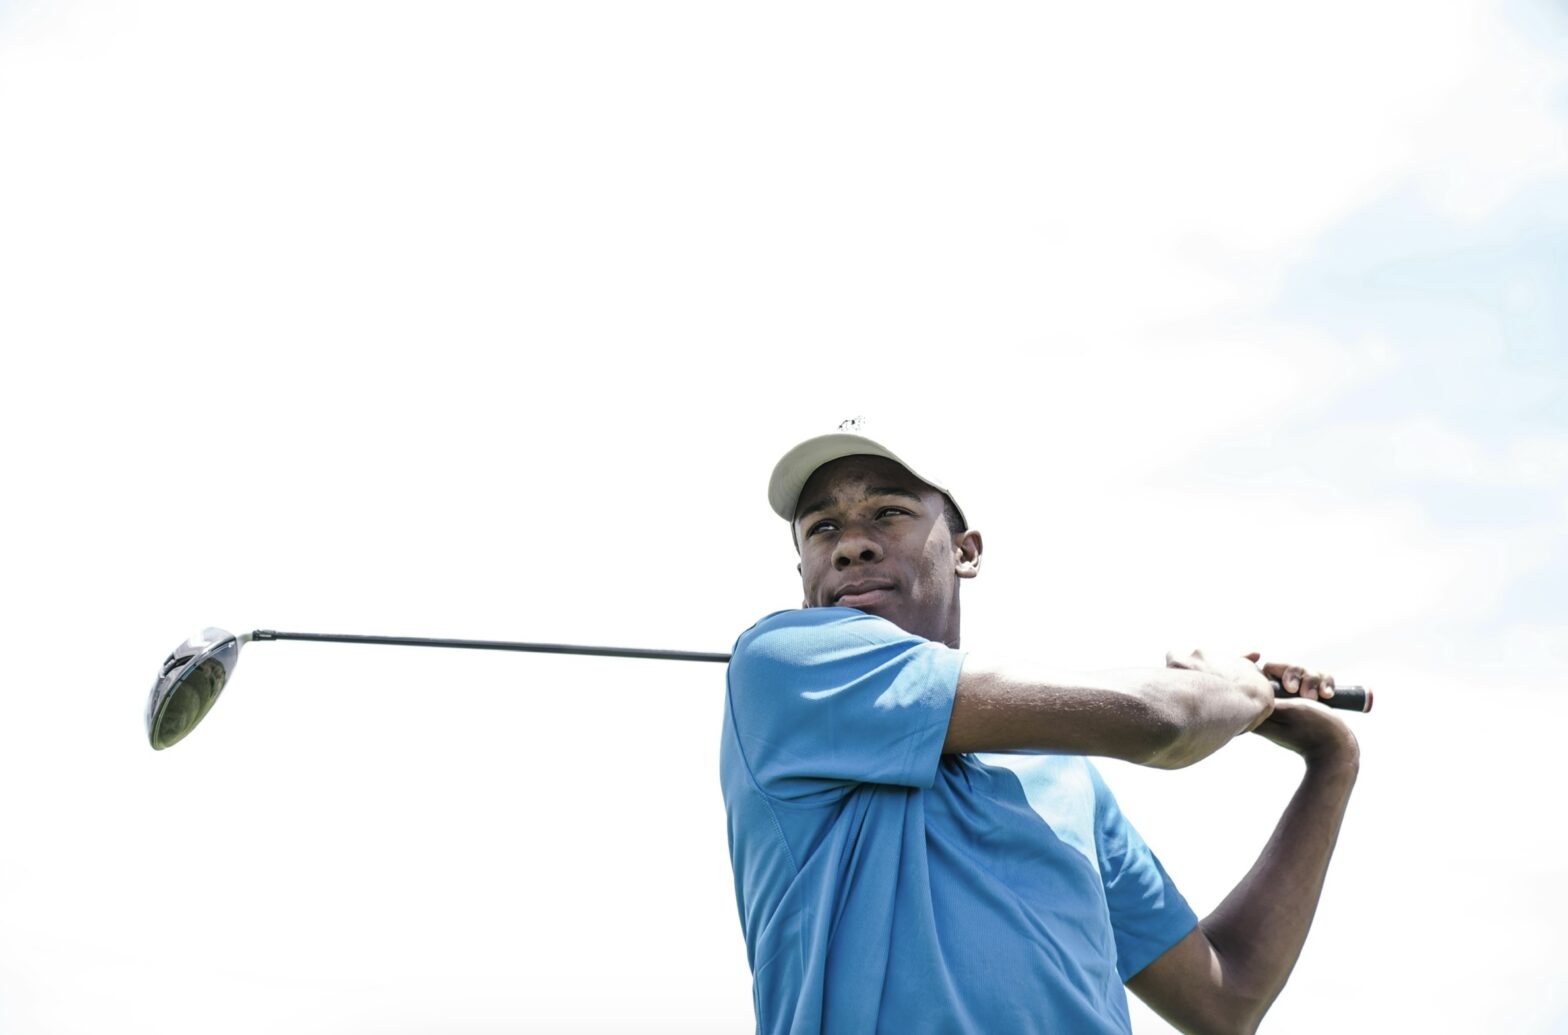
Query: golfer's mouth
[{"x": 862, "y": 594}]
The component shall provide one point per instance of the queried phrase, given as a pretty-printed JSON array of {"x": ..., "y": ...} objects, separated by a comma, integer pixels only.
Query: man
[{"x": 895, "y": 876}]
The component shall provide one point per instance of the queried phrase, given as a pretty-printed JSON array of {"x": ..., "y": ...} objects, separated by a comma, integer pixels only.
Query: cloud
[{"x": 1458, "y": 397}]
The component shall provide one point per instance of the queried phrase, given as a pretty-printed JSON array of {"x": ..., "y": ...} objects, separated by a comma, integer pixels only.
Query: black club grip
[{"x": 1349, "y": 698}]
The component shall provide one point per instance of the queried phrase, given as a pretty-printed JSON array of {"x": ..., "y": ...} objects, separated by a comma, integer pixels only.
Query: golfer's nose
[{"x": 855, "y": 546}]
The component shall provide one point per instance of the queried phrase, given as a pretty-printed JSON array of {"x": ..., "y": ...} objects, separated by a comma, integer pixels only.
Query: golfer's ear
[{"x": 966, "y": 554}]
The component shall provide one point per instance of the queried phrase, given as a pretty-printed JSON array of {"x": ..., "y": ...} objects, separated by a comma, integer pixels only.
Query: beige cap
[{"x": 796, "y": 467}]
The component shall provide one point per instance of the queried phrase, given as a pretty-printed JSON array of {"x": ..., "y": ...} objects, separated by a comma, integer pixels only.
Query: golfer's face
[{"x": 872, "y": 537}]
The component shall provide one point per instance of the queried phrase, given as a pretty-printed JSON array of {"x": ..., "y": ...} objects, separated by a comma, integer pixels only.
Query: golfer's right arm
[{"x": 1162, "y": 717}]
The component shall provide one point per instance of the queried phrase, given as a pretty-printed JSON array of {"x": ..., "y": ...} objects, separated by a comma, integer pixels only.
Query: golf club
[{"x": 192, "y": 677}]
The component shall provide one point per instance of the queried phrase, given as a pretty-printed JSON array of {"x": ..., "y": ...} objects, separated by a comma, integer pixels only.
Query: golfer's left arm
[{"x": 1223, "y": 976}]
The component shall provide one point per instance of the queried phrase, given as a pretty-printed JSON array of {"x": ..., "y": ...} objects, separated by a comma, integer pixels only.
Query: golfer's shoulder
[
  {"x": 789, "y": 635},
  {"x": 807, "y": 637}
]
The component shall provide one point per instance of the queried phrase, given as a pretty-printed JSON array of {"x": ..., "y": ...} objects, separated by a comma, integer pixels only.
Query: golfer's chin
[
  {"x": 910, "y": 620},
  {"x": 884, "y": 603},
  {"x": 886, "y": 608}
]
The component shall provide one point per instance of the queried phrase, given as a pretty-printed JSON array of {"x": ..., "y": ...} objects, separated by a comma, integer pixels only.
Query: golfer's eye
[
  {"x": 891, "y": 510},
  {"x": 820, "y": 526}
]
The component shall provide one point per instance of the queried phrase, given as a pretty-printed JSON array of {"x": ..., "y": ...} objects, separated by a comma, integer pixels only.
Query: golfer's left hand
[
  {"x": 1311, "y": 731},
  {"x": 1300, "y": 681}
]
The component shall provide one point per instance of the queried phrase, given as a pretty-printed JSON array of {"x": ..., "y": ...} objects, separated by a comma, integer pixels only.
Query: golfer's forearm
[
  {"x": 1161, "y": 717},
  {"x": 1258, "y": 931}
]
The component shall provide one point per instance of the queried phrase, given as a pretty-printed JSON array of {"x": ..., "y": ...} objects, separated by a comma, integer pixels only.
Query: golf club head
[{"x": 188, "y": 683}]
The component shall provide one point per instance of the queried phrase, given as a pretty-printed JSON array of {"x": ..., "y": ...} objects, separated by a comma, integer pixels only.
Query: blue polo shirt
[{"x": 886, "y": 887}]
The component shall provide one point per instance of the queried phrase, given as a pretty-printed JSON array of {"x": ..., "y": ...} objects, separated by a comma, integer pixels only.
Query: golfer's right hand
[{"x": 1243, "y": 671}]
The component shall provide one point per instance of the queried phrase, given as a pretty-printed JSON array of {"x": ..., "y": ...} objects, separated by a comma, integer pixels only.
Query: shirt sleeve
[
  {"x": 824, "y": 698},
  {"x": 1148, "y": 914}
]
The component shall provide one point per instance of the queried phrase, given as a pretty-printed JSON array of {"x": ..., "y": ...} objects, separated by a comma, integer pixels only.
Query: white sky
[{"x": 1246, "y": 322}]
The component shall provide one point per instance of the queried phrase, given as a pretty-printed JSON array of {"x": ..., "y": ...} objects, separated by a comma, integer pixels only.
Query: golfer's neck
[{"x": 950, "y": 627}]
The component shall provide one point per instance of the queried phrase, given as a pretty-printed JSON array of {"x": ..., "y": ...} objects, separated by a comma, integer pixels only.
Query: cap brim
[{"x": 796, "y": 467}]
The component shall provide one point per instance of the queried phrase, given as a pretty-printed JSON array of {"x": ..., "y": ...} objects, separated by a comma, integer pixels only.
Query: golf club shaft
[
  {"x": 534, "y": 648},
  {"x": 1350, "y": 698}
]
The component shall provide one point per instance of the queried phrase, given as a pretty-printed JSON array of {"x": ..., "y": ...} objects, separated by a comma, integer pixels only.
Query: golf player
[{"x": 919, "y": 842}]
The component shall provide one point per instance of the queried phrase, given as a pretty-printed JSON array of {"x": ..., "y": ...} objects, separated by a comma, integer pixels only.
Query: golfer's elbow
[
  {"x": 1227, "y": 1026},
  {"x": 1225, "y": 1012},
  {"x": 1239, "y": 1015}
]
